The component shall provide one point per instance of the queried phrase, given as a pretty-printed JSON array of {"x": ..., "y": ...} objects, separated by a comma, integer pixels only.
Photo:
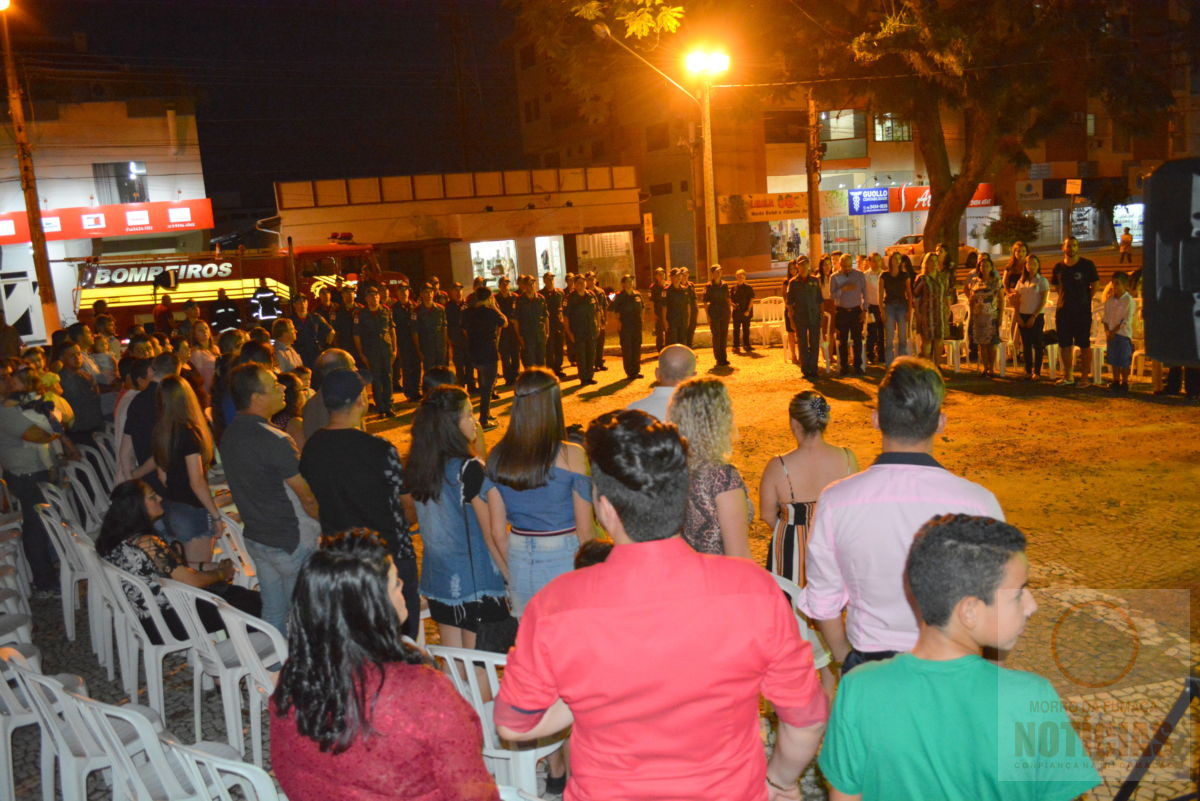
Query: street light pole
[
  {"x": 33, "y": 209},
  {"x": 710, "y": 184}
]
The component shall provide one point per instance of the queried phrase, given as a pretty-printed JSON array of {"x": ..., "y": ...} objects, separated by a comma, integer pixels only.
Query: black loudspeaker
[{"x": 1171, "y": 273}]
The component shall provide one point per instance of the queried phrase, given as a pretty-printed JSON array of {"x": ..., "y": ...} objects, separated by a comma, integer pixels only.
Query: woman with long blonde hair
[
  {"x": 204, "y": 353},
  {"x": 929, "y": 295},
  {"x": 719, "y": 509},
  {"x": 183, "y": 451}
]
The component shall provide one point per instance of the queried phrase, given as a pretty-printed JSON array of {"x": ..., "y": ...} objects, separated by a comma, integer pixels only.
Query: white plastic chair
[
  {"x": 262, "y": 665},
  {"x": 217, "y": 775},
  {"x": 97, "y": 459},
  {"x": 104, "y": 611},
  {"x": 71, "y": 570},
  {"x": 232, "y": 545},
  {"x": 1006, "y": 350},
  {"x": 62, "y": 504},
  {"x": 960, "y": 314},
  {"x": 91, "y": 499},
  {"x": 124, "y": 585},
  {"x": 768, "y": 318},
  {"x": 512, "y": 764},
  {"x": 106, "y": 443}
]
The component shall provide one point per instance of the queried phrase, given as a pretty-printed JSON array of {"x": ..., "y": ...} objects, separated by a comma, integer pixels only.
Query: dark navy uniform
[
  {"x": 404, "y": 317},
  {"x": 431, "y": 335},
  {"x": 343, "y": 326},
  {"x": 377, "y": 339},
  {"x": 601, "y": 319},
  {"x": 628, "y": 306},
  {"x": 554, "y": 339},
  {"x": 464, "y": 373},
  {"x": 658, "y": 299},
  {"x": 693, "y": 312},
  {"x": 225, "y": 316},
  {"x": 581, "y": 320},
  {"x": 677, "y": 315},
  {"x": 742, "y": 296},
  {"x": 716, "y": 300},
  {"x": 531, "y": 326},
  {"x": 264, "y": 305},
  {"x": 510, "y": 353}
]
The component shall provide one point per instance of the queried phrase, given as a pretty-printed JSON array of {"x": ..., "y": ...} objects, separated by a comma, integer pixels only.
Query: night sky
[{"x": 300, "y": 89}]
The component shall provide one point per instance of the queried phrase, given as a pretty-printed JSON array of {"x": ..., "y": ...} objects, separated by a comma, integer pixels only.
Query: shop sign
[
  {"x": 778, "y": 206},
  {"x": 1029, "y": 190},
  {"x": 121, "y": 219},
  {"x": 919, "y": 198},
  {"x": 125, "y": 275},
  {"x": 869, "y": 201},
  {"x": 648, "y": 227}
]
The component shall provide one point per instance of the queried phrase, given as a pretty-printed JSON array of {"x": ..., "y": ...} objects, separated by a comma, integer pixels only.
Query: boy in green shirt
[{"x": 941, "y": 722}]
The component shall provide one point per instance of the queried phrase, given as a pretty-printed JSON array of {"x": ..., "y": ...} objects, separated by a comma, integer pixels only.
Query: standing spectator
[
  {"x": 804, "y": 310},
  {"x": 531, "y": 321},
  {"x": 848, "y": 287},
  {"x": 538, "y": 483},
  {"x": 929, "y": 296},
  {"x": 408, "y": 352},
  {"x": 460, "y": 562},
  {"x": 1075, "y": 279},
  {"x": 793, "y": 352},
  {"x": 342, "y": 320},
  {"x": 1181, "y": 379},
  {"x": 742, "y": 299},
  {"x": 829, "y": 309},
  {"x": 719, "y": 509},
  {"x": 1119, "y": 311},
  {"x": 1030, "y": 297},
  {"x": 483, "y": 325},
  {"x": 204, "y": 353},
  {"x": 25, "y": 457},
  {"x": 313, "y": 332},
  {"x": 191, "y": 314},
  {"x": 104, "y": 325},
  {"x": 136, "y": 447},
  {"x": 225, "y": 313},
  {"x": 358, "y": 713},
  {"x": 581, "y": 329},
  {"x": 896, "y": 289},
  {"x": 946, "y": 692},
  {"x": 872, "y": 274},
  {"x": 865, "y": 523},
  {"x": 81, "y": 391},
  {"x": 375, "y": 341},
  {"x": 279, "y": 512},
  {"x": 315, "y": 415},
  {"x": 439, "y": 297},
  {"x": 629, "y": 308},
  {"x": 1126, "y": 248},
  {"x": 658, "y": 301},
  {"x": 716, "y": 301},
  {"x": 136, "y": 374},
  {"x": 264, "y": 304},
  {"x": 791, "y": 482},
  {"x": 290, "y": 419},
  {"x": 676, "y": 364},
  {"x": 164, "y": 316},
  {"x": 510, "y": 355},
  {"x": 183, "y": 449},
  {"x": 601, "y": 316},
  {"x": 463, "y": 372},
  {"x": 429, "y": 321},
  {"x": 659, "y": 711},
  {"x": 986, "y": 296},
  {"x": 358, "y": 481},
  {"x": 677, "y": 309},
  {"x": 287, "y": 358},
  {"x": 81, "y": 335},
  {"x": 555, "y": 336}
]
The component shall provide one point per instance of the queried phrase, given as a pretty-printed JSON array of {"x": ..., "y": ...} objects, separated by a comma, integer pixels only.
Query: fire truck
[{"x": 133, "y": 285}]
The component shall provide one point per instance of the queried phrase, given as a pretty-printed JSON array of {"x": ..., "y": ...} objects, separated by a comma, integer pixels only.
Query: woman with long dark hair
[
  {"x": 1030, "y": 298},
  {"x": 539, "y": 484},
  {"x": 183, "y": 451},
  {"x": 986, "y": 296},
  {"x": 128, "y": 540},
  {"x": 459, "y": 573},
  {"x": 358, "y": 714},
  {"x": 793, "y": 348}
]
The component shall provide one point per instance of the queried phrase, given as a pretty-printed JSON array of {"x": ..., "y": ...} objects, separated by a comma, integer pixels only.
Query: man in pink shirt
[
  {"x": 659, "y": 654},
  {"x": 865, "y": 523}
]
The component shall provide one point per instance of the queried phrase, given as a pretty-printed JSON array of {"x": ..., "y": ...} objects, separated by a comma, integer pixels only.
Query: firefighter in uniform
[
  {"x": 431, "y": 330},
  {"x": 693, "y": 307},
  {"x": 375, "y": 338},
  {"x": 628, "y": 306},
  {"x": 510, "y": 355},
  {"x": 343, "y": 321},
  {"x": 404, "y": 318},
  {"x": 531, "y": 320},
  {"x": 554, "y": 338},
  {"x": 716, "y": 299},
  {"x": 601, "y": 316},
  {"x": 676, "y": 311},
  {"x": 658, "y": 299},
  {"x": 464, "y": 373},
  {"x": 581, "y": 329},
  {"x": 264, "y": 304},
  {"x": 225, "y": 314}
]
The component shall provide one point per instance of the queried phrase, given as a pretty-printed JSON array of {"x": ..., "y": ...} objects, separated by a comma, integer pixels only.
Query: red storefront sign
[
  {"x": 92, "y": 222},
  {"x": 918, "y": 198}
]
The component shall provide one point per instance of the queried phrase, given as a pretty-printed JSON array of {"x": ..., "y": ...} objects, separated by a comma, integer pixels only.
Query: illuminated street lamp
[
  {"x": 33, "y": 211},
  {"x": 707, "y": 65}
]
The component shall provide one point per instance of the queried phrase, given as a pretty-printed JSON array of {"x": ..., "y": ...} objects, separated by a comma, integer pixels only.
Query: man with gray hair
[
  {"x": 676, "y": 364},
  {"x": 865, "y": 524},
  {"x": 316, "y": 415}
]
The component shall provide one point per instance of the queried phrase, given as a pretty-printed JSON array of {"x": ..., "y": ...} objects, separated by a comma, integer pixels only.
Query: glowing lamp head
[
  {"x": 4, "y": 4},
  {"x": 701, "y": 62}
]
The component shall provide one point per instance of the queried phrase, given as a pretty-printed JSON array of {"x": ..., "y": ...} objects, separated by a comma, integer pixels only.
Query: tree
[
  {"x": 1012, "y": 228},
  {"x": 1013, "y": 70}
]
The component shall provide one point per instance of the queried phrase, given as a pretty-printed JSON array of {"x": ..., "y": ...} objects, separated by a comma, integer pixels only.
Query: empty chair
[
  {"x": 103, "y": 467},
  {"x": 768, "y": 318},
  {"x": 217, "y": 775},
  {"x": 475, "y": 675},
  {"x": 71, "y": 570},
  {"x": 90, "y": 496},
  {"x": 261, "y": 651}
]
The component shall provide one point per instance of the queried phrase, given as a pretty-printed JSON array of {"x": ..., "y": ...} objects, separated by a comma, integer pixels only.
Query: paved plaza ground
[{"x": 1105, "y": 488}]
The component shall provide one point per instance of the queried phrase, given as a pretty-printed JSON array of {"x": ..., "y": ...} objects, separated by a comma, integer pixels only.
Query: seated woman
[
  {"x": 128, "y": 540},
  {"x": 358, "y": 714}
]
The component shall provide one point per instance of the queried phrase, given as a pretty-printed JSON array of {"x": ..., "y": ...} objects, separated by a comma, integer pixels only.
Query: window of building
[
  {"x": 658, "y": 136},
  {"x": 844, "y": 123},
  {"x": 1091, "y": 125},
  {"x": 892, "y": 128},
  {"x": 120, "y": 182},
  {"x": 660, "y": 189},
  {"x": 528, "y": 57},
  {"x": 683, "y": 186},
  {"x": 785, "y": 127}
]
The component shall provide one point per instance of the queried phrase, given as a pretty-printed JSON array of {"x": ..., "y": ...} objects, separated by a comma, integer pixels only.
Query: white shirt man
[{"x": 676, "y": 364}]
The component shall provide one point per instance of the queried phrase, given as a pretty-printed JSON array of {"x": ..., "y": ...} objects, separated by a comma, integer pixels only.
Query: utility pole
[
  {"x": 33, "y": 209},
  {"x": 710, "y": 184},
  {"x": 812, "y": 168}
]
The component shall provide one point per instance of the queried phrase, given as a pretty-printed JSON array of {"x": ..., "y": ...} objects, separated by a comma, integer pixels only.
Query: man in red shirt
[{"x": 658, "y": 655}]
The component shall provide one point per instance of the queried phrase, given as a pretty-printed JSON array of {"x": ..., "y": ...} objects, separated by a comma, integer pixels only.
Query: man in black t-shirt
[
  {"x": 1075, "y": 279},
  {"x": 139, "y": 423},
  {"x": 483, "y": 324},
  {"x": 358, "y": 481}
]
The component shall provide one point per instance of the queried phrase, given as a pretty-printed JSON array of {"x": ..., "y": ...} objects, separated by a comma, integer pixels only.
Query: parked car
[{"x": 913, "y": 246}]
